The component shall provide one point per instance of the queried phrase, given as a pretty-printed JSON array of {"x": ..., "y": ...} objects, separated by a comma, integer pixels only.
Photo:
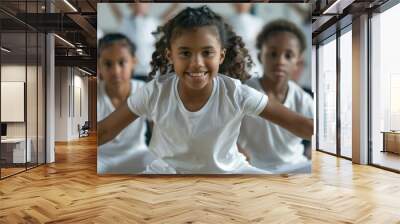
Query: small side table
[
  {"x": 13, "y": 150},
  {"x": 391, "y": 141}
]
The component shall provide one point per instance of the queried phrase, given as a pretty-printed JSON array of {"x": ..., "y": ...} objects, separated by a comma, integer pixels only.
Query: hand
[{"x": 244, "y": 152}]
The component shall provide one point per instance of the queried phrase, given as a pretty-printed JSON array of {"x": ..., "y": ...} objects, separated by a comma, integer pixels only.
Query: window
[
  {"x": 346, "y": 93},
  {"x": 22, "y": 66},
  {"x": 385, "y": 87},
  {"x": 327, "y": 96}
]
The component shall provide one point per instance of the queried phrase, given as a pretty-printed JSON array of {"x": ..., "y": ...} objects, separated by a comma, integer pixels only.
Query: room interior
[{"x": 48, "y": 91}]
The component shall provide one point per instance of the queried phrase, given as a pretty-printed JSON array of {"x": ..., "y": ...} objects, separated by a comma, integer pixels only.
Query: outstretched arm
[
  {"x": 292, "y": 121},
  {"x": 112, "y": 125},
  {"x": 244, "y": 152},
  {"x": 116, "y": 12},
  {"x": 304, "y": 12},
  {"x": 170, "y": 12}
]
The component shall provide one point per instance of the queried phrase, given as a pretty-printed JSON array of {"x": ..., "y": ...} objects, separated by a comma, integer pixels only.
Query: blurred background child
[
  {"x": 127, "y": 152},
  {"x": 270, "y": 147},
  {"x": 137, "y": 26}
]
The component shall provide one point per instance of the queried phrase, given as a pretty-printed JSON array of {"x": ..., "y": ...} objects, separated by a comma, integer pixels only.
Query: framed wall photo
[
  {"x": 12, "y": 101},
  {"x": 198, "y": 99}
]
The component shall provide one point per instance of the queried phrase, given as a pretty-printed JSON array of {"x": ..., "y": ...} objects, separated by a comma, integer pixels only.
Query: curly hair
[
  {"x": 237, "y": 59},
  {"x": 279, "y": 26}
]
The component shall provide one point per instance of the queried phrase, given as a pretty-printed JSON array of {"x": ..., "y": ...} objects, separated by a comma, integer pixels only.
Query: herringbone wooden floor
[{"x": 70, "y": 191}]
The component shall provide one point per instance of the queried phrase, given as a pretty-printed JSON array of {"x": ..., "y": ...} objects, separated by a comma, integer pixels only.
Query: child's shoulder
[
  {"x": 253, "y": 82},
  {"x": 296, "y": 88},
  {"x": 165, "y": 78},
  {"x": 137, "y": 83},
  {"x": 160, "y": 80},
  {"x": 300, "y": 99},
  {"x": 297, "y": 92},
  {"x": 232, "y": 87},
  {"x": 101, "y": 88},
  {"x": 228, "y": 81},
  {"x": 160, "y": 84}
]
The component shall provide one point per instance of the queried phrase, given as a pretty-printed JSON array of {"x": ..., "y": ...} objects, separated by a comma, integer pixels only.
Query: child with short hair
[
  {"x": 196, "y": 102},
  {"x": 270, "y": 147},
  {"x": 127, "y": 152}
]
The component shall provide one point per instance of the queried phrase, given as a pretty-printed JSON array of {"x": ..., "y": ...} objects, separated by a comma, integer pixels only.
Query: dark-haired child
[
  {"x": 270, "y": 147},
  {"x": 196, "y": 103},
  {"x": 127, "y": 152}
]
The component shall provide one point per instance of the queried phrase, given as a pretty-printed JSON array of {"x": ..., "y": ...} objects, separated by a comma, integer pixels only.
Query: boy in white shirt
[{"x": 267, "y": 145}]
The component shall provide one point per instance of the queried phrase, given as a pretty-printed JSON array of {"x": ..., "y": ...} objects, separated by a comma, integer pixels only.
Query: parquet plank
[{"x": 70, "y": 191}]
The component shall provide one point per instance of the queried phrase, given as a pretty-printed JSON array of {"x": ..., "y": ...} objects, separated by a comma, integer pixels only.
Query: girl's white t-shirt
[
  {"x": 127, "y": 153},
  {"x": 196, "y": 142},
  {"x": 269, "y": 146}
]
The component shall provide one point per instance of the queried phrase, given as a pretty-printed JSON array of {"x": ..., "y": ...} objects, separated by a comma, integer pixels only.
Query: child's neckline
[
  {"x": 262, "y": 88},
  {"x": 182, "y": 105},
  {"x": 108, "y": 98}
]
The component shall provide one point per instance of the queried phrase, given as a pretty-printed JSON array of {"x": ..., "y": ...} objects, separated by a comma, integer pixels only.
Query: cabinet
[
  {"x": 391, "y": 141},
  {"x": 13, "y": 150}
]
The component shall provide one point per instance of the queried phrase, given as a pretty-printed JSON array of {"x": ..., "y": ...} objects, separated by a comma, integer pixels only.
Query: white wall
[
  {"x": 81, "y": 104},
  {"x": 70, "y": 84},
  {"x": 13, "y": 73},
  {"x": 16, "y": 73},
  {"x": 61, "y": 103},
  {"x": 33, "y": 126}
]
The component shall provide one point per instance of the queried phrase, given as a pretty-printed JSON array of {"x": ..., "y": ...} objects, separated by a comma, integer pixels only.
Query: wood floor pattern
[{"x": 70, "y": 191}]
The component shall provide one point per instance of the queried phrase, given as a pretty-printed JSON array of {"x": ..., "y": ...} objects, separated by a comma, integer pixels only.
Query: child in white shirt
[
  {"x": 269, "y": 146},
  {"x": 127, "y": 153}
]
